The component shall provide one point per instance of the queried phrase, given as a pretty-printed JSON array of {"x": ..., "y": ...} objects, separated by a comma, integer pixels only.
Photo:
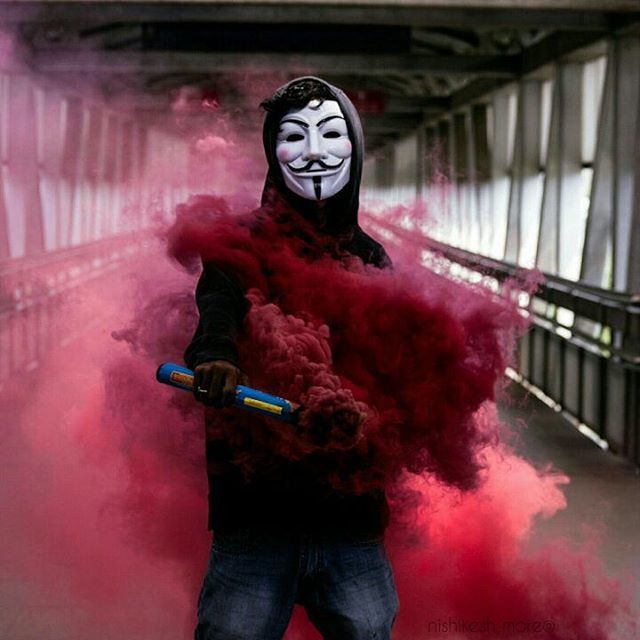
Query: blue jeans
[{"x": 254, "y": 579}]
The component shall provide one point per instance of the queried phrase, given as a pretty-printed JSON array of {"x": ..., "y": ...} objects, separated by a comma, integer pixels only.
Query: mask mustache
[{"x": 309, "y": 164}]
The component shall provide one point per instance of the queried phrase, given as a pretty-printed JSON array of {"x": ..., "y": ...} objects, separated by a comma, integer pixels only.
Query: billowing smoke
[{"x": 104, "y": 490}]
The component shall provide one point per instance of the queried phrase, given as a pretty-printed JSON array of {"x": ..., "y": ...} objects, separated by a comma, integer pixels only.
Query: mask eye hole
[
  {"x": 294, "y": 137},
  {"x": 331, "y": 134}
]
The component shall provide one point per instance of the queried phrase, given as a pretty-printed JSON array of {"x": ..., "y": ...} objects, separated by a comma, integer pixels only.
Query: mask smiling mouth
[{"x": 324, "y": 167}]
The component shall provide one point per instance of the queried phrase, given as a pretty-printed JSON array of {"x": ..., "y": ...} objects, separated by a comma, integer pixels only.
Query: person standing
[{"x": 283, "y": 538}]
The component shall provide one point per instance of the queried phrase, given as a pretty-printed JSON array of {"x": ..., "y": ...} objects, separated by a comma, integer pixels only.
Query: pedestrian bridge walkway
[
  {"x": 603, "y": 491},
  {"x": 516, "y": 129}
]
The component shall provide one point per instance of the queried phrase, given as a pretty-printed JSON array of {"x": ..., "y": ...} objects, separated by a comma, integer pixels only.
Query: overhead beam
[
  {"x": 334, "y": 63},
  {"x": 474, "y": 90},
  {"x": 417, "y": 105},
  {"x": 377, "y": 125},
  {"x": 408, "y": 106},
  {"x": 558, "y": 14},
  {"x": 555, "y": 47}
]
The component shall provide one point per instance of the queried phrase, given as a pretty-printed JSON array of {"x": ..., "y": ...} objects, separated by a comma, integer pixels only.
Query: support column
[
  {"x": 460, "y": 217},
  {"x": 471, "y": 195},
  {"x": 430, "y": 163},
  {"x": 526, "y": 186},
  {"x": 444, "y": 200},
  {"x": 633, "y": 268},
  {"x": 126, "y": 176},
  {"x": 83, "y": 204},
  {"x": 4, "y": 235},
  {"x": 110, "y": 175},
  {"x": 611, "y": 252},
  {"x": 4, "y": 157},
  {"x": 562, "y": 220},
  {"x": 118, "y": 222},
  {"x": 627, "y": 221},
  {"x": 90, "y": 172},
  {"x": 69, "y": 169},
  {"x": 404, "y": 170},
  {"x": 22, "y": 189},
  {"x": 482, "y": 159},
  {"x": 50, "y": 118},
  {"x": 500, "y": 175},
  {"x": 420, "y": 161},
  {"x": 102, "y": 186}
]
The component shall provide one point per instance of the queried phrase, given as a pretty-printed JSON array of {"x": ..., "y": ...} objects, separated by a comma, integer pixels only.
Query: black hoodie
[
  {"x": 291, "y": 499},
  {"x": 341, "y": 210}
]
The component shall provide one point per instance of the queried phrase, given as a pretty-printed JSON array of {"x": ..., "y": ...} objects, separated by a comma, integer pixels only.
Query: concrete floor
[{"x": 604, "y": 491}]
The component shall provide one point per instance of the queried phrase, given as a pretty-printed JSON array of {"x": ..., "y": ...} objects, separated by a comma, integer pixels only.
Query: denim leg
[
  {"x": 352, "y": 596},
  {"x": 249, "y": 589}
]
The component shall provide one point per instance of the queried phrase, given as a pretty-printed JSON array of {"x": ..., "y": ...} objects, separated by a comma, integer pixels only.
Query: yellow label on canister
[
  {"x": 181, "y": 378},
  {"x": 265, "y": 406}
]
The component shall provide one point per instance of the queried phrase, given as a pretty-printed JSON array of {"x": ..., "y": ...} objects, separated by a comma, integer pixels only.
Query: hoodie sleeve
[
  {"x": 369, "y": 250},
  {"x": 222, "y": 307}
]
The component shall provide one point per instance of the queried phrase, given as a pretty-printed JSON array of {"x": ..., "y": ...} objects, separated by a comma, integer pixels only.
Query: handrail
[
  {"x": 554, "y": 289},
  {"x": 41, "y": 275},
  {"x": 591, "y": 374},
  {"x": 34, "y": 292},
  {"x": 9, "y": 266},
  {"x": 618, "y": 311}
]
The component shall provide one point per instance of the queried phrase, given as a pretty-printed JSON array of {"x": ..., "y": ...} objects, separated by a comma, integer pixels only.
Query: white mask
[{"x": 314, "y": 150}]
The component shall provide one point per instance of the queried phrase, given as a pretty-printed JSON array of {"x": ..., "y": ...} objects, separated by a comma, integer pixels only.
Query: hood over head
[{"x": 341, "y": 210}]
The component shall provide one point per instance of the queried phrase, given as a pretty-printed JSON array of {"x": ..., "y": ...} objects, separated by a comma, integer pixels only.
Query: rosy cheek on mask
[
  {"x": 287, "y": 153},
  {"x": 343, "y": 148},
  {"x": 283, "y": 154}
]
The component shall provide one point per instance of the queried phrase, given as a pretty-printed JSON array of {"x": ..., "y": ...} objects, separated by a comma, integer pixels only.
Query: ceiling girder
[
  {"x": 335, "y": 63},
  {"x": 562, "y": 14},
  {"x": 448, "y": 67}
]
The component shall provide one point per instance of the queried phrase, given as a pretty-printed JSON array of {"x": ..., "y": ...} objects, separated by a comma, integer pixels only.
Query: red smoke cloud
[
  {"x": 420, "y": 358},
  {"x": 358, "y": 342},
  {"x": 107, "y": 492},
  {"x": 104, "y": 491}
]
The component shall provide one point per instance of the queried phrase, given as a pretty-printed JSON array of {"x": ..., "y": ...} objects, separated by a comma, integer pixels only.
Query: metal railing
[
  {"x": 35, "y": 292},
  {"x": 582, "y": 349}
]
